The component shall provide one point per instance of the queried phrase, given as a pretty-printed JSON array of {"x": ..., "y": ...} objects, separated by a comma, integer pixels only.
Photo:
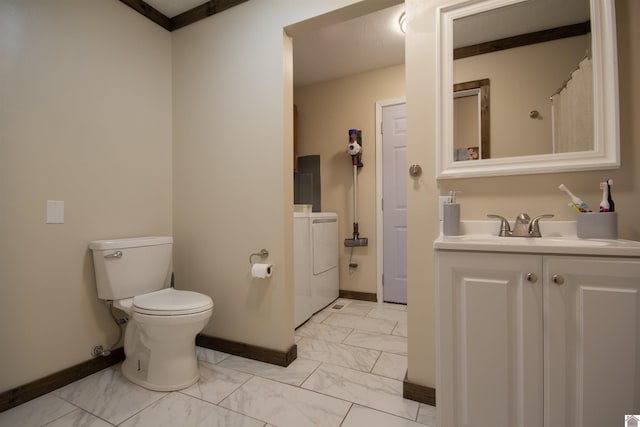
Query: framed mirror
[{"x": 554, "y": 89}]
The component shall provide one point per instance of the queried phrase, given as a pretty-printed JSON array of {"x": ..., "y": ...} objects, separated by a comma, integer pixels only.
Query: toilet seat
[{"x": 171, "y": 302}]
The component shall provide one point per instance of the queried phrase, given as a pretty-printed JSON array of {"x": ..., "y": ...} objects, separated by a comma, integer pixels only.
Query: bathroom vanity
[{"x": 537, "y": 331}]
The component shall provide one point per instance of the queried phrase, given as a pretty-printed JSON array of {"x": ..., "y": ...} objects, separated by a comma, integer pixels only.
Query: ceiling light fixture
[{"x": 403, "y": 22}]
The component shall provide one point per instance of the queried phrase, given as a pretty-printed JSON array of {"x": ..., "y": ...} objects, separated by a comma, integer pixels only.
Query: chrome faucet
[{"x": 523, "y": 227}]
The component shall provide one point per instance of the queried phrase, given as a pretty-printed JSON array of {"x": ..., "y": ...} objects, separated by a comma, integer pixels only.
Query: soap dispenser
[{"x": 451, "y": 216}]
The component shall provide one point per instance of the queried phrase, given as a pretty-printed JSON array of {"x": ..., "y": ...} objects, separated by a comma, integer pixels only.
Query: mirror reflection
[
  {"x": 471, "y": 120},
  {"x": 537, "y": 56}
]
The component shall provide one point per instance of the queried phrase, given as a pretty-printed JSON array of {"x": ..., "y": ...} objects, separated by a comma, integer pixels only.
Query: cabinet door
[
  {"x": 592, "y": 341},
  {"x": 489, "y": 335}
]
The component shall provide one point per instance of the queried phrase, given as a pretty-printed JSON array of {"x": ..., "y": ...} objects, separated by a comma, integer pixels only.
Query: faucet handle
[
  {"x": 505, "y": 230},
  {"x": 534, "y": 226}
]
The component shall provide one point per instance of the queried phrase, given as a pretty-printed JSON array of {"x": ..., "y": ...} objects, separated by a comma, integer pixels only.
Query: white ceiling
[
  {"x": 375, "y": 41},
  {"x": 362, "y": 44},
  {"x": 171, "y": 8}
]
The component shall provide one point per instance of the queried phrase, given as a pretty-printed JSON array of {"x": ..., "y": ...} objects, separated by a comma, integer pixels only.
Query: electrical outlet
[{"x": 441, "y": 201}]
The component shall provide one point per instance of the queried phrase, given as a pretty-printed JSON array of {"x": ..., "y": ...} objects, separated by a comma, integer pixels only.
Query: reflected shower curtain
[{"x": 572, "y": 112}]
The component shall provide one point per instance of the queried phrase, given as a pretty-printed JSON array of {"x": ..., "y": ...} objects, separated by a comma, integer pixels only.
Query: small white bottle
[{"x": 451, "y": 216}]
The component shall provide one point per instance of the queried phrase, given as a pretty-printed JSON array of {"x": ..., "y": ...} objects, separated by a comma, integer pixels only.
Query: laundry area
[{"x": 317, "y": 235}]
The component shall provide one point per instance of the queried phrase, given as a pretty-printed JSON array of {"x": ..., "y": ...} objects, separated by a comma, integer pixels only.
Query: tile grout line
[{"x": 138, "y": 412}]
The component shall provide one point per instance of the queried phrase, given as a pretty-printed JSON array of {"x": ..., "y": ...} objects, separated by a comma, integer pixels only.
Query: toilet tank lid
[{"x": 132, "y": 242}]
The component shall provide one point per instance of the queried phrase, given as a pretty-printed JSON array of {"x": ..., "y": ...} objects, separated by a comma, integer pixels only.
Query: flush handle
[
  {"x": 116, "y": 254},
  {"x": 557, "y": 279},
  {"x": 531, "y": 277}
]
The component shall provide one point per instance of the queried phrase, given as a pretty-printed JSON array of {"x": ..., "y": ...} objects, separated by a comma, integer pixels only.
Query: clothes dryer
[{"x": 324, "y": 275}]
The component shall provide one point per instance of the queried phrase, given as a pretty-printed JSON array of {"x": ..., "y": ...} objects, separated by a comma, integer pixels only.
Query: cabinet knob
[
  {"x": 558, "y": 279},
  {"x": 531, "y": 277}
]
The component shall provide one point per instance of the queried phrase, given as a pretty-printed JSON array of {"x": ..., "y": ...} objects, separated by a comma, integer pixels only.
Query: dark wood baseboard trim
[
  {"x": 26, "y": 392},
  {"x": 419, "y": 393},
  {"x": 37, "y": 388},
  {"x": 249, "y": 351},
  {"x": 362, "y": 296}
]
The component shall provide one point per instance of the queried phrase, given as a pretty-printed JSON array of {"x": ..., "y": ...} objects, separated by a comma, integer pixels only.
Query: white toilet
[{"x": 159, "y": 341}]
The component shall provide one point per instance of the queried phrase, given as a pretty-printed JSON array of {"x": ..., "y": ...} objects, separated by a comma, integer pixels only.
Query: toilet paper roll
[{"x": 261, "y": 271}]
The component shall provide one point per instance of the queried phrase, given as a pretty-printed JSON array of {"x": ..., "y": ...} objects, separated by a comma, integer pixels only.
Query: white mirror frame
[{"x": 606, "y": 153}]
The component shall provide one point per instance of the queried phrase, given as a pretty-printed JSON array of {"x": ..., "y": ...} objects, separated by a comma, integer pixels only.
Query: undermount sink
[{"x": 558, "y": 237}]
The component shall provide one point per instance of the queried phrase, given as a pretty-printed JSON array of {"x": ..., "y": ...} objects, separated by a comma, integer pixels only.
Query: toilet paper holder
[{"x": 263, "y": 253}]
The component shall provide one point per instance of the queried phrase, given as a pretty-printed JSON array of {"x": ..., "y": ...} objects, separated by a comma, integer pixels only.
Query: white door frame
[{"x": 379, "y": 214}]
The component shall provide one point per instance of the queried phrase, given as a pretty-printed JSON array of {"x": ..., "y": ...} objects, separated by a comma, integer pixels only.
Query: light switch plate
[{"x": 55, "y": 212}]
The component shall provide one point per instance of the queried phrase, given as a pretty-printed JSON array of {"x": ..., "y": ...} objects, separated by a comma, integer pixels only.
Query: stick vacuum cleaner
[{"x": 355, "y": 150}]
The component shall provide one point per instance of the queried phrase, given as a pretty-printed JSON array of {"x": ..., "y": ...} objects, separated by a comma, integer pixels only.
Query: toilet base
[{"x": 161, "y": 351}]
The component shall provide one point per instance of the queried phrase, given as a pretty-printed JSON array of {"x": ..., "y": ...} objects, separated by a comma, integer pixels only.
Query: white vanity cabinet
[
  {"x": 530, "y": 339},
  {"x": 591, "y": 315}
]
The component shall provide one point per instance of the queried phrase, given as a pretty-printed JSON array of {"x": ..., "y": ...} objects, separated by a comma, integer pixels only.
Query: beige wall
[
  {"x": 232, "y": 163},
  {"x": 326, "y": 111},
  {"x": 466, "y": 127},
  {"x": 507, "y": 196},
  {"x": 85, "y": 117}
]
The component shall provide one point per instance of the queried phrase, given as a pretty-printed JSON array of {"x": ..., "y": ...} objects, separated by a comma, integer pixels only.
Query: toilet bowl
[{"x": 159, "y": 342}]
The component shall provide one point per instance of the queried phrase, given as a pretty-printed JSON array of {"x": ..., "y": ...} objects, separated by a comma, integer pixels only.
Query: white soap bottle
[{"x": 451, "y": 216}]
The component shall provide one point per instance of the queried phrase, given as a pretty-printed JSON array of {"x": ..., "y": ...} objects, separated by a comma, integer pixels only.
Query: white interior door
[{"x": 394, "y": 203}]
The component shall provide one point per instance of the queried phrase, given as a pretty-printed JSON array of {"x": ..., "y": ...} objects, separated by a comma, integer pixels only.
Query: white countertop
[{"x": 558, "y": 237}]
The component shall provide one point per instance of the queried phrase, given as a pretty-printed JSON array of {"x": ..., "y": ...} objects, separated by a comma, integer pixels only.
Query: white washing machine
[
  {"x": 303, "y": 308},
  {"x": 325, "y": 246},
  {"x": 315, "y": 258}
]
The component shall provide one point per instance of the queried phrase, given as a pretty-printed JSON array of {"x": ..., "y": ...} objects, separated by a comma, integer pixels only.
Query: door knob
[
  {"x": 531, "y": 277},
  {"x": 558, "y": 279}
]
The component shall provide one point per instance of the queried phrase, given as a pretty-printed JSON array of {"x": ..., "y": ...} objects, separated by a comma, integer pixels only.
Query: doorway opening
[{"x": 318, "y": 135}]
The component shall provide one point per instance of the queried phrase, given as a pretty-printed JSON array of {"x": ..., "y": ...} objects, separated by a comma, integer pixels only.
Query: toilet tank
[{"x": 128, "y": 267}]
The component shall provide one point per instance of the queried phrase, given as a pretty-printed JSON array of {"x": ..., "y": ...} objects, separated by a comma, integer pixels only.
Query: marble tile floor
[{"x": 349, "y": 371}]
